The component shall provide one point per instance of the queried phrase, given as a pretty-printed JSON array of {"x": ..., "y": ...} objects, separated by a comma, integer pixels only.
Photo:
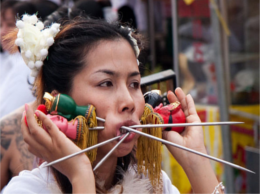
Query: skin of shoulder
[{"x": 14, "y": 156}]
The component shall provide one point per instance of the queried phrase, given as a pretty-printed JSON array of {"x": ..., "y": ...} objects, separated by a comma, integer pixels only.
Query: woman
[{"x": 96, "y": 63}]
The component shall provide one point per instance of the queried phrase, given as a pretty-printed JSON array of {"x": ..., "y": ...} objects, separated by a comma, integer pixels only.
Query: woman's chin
[{"x": 124, "y": 149}]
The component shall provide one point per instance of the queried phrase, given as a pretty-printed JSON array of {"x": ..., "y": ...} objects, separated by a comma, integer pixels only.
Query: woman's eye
[
  {"x": 106, "y": 84},
  {"x": 135, "y": 85}
]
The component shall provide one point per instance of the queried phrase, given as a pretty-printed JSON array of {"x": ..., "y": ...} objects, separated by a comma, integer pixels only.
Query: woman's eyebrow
[
  {"x": 109, "y": 72},
  {"x": 113, "y": 73},
  {"x": 136, "y": 73}
]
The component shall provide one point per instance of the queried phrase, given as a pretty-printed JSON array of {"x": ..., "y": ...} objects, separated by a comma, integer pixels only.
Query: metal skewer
[
  {"x": 177, "y": 125},
  {"x": 108, "y": 154},
  {"x": 96, "y": 128},
  {"x": 186, "y": 124},
  {"x": 82, "y": 151},
  {"x": 184, "y": 148}
]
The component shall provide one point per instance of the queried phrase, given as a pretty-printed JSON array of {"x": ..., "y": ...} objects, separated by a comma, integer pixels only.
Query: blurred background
[{"x": 212, "y": 48}]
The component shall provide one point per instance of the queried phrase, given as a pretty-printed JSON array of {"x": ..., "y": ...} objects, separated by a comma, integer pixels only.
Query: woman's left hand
[{"x": 191, "y": 137}]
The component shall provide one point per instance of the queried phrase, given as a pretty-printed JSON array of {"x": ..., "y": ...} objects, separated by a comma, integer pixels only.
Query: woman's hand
[
  {"x": 192, "y": 136},
  {"x": 197, "y": 168},
  {"x": 52, "y": 144}
]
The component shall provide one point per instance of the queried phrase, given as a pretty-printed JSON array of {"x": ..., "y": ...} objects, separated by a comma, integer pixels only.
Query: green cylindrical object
[{"x": 65, "y": 106}]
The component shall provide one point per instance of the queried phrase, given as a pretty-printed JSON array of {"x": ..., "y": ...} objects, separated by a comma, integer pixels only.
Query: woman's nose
[{"x": 126, "y": 102}]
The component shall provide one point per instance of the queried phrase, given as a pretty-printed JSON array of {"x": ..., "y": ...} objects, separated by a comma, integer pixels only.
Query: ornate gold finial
[{"x": 49, "y": 99}]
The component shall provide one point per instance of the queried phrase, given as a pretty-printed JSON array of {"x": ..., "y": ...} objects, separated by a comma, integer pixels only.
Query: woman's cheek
[{"x": 140, "y": 107}]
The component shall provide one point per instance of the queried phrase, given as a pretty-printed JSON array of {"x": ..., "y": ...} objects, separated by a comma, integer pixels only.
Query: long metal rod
[
  {"x": 186, "y": 124},
  {"x": 182, "y": 147},
  {"x": 108, "y": 154},
  {"x": 187, "y": 149},
  {"x": 82, "y": 151},
  {"x": 177, "y": 125}
]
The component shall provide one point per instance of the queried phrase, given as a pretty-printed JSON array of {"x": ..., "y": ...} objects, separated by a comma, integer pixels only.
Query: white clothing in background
[
  {"x": 41, "y": 181},
  {"x": 14, "y": 88}
]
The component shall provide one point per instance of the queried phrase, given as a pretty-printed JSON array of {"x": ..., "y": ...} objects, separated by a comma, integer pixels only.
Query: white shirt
[
  {"x": 41, "y": 181},
  {"x": 14, "y": 88}
]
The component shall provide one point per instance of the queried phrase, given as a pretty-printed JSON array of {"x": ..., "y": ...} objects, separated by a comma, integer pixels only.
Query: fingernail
[
  {"x": 25, "y": 120},
  {"x": 26, "y": 107},
  {"x": 24, "y": 117},
  {"x": 37, "y": 113}
]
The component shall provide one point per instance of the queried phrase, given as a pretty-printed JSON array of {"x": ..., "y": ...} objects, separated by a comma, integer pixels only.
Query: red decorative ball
[
  {"x": 42, "y": 108},
  {"x": 172, "y": 113}
]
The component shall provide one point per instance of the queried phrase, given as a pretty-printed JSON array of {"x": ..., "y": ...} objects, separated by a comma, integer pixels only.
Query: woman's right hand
[{"x": 52, "y": 144}]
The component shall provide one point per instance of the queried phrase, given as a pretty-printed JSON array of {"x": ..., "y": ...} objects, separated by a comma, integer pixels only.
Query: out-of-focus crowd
[{"x": 16, "y": 84}]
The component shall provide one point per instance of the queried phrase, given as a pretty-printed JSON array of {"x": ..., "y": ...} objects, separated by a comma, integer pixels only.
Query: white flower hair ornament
[
  {"x": 34, "y": 41},
  {"x": 136, "y": 48}
]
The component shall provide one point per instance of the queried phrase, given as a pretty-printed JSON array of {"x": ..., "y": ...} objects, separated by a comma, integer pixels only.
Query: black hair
[
  {"x": 44, "y": 8},
  {"x": 127, "y": 16}
]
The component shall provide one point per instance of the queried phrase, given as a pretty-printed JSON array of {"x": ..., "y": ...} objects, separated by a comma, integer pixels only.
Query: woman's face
[
  {"x": 7, "y": 24},
  {"x": 111, "y": 82}
]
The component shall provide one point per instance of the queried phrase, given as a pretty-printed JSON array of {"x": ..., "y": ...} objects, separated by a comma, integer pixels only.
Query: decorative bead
[
  {"x": 53, "y": 31},
  {"x": 40, "y": 25},
  {"x": 222, "y": 187},
  {"x": 31, "y": 64},
  {"x": 46, "y": 32},
  {"x": 38, "y": 64},
  {"x": 50, "y": 41},
  {"x": 28, "y": 54},
  {"x": 44, "y": 52},
  {"x": 19, "y": 34},
  {"x": 217, "y": 192},
  {"x": 26, "y": 18},
  {"x": 34, "y": 73},
  {"x": 20, "y": 24},
  {"x": 56, "y": 25},
  {"x": 19, "y": 42},
  {"x": 42, "y": 43},
  {"x": 33, "y": 19}
]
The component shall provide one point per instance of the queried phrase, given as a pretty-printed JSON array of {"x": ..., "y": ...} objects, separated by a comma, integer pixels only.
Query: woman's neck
[{"x": 106, "y": 171}]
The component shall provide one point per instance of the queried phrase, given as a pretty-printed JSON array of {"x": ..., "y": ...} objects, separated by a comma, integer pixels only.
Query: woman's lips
[{"x": 131, "y": 136}]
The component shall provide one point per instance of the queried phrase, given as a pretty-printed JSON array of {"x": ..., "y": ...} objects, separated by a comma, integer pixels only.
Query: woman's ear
[{"x": 54, "y": 93}]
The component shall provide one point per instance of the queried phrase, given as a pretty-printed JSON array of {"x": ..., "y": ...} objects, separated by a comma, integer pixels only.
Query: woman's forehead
[{"x": 112, "y": 53}]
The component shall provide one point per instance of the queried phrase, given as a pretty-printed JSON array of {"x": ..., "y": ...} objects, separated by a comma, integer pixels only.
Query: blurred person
[
  {"x": 44, "y": 8},
  {"x": 91, "y": 8},
  {"x": 14, "y": 75},
  {"x": 14, "y": 92},
  {"x": 14, "y": 155}
]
